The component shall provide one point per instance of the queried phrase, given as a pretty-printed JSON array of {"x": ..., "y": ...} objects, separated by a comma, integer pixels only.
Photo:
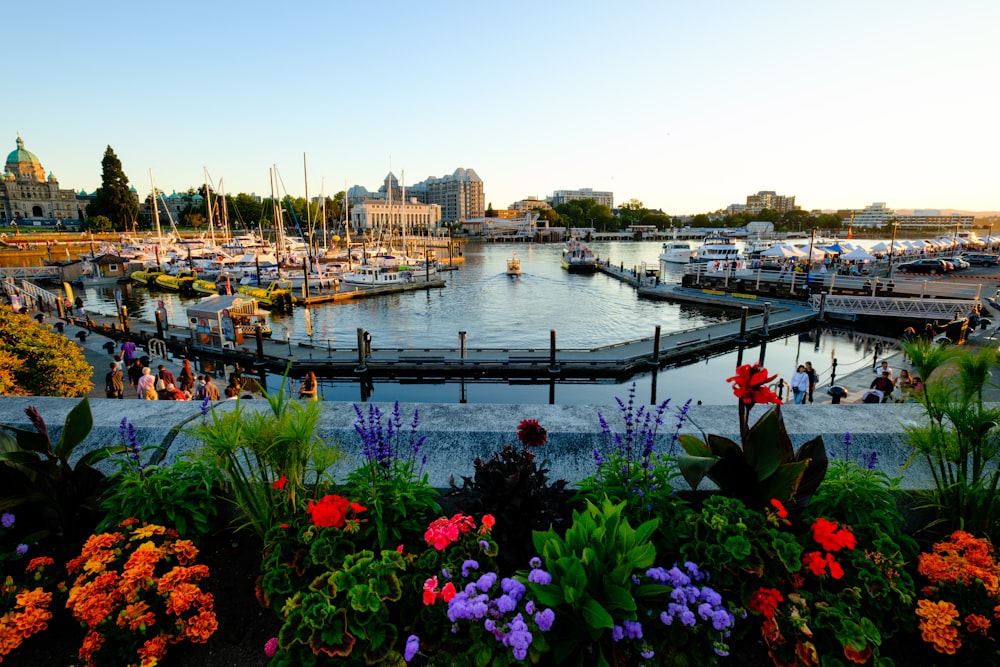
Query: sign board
[{"x": 228, "y": 329}]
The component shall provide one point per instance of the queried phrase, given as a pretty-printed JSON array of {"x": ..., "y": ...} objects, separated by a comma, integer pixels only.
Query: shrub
[{"x": 36, "y": 361}]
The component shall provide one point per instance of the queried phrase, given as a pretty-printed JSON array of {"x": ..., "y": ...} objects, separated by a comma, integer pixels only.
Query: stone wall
[{"x": 457, "y": 433}]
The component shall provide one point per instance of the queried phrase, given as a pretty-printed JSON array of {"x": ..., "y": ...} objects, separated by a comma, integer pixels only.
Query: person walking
[
  {"x": 211, "y": 390},
  {"x": 128, "y": 351},
  {"x": 800, "y": 384},
  {"x": 186, "y": 376},
  {"x": 146, "y": 384},
  {"x": 166, "y": 375},
  {"x": 114, "y": 382},
  {"x": 134, "y": 372},
  {"x": 813, "y": 379}
]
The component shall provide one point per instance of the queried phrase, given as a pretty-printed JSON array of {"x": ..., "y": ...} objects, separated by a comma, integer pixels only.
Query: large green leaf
[
  {"x": 596, "y": 616},
  {"x": 814, "y": 452},
  {"x": 723, "y": 446},
  {"x": 76, "y": 428},
  {"x": 695, "y": 468},
  {"x": 784, "y": 483},
  {"x": 762, "y": 447},
  {"x": 619, "y": 597},
  {"x": 695, "y": 446}
]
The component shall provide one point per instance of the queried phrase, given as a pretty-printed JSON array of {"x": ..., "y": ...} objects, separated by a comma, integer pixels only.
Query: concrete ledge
[{"x": 457, "y": 433}]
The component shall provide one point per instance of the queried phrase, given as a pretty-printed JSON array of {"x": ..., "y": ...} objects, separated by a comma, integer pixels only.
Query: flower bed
[{"x": 800, "y": 558}]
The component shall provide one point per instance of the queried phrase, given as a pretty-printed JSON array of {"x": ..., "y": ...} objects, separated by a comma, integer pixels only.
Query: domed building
[{"x": 30, "y": 198}]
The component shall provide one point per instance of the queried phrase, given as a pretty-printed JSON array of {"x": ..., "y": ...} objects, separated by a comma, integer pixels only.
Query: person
[
  {"x": 211, "y": 390},
  {"x": 800, "y": 384},
  {"x": 134, "y": 372},
  {"x": 120, "y": 364},
  {"x": 186, "y": 376},
  {"x": 172, "y": 393},
  {"x": 308, "y": 388},
  {"x": 909, "y": 336},
  {"x": 884, "y": 368},
  {"x": 150, "y": 395},
  {"x": 146, "y": 382},
  {"x": 232, "y": 393},
  {"x": 813, "y": 379},
  {"x": 128, "y": 351},
  {"x": 884, "y": 384},
  {"x": 199, "y": 389},
  {"x": 79, "y": 307},
  {"x": 904, "y": 382},
  {"x": 166, "y": 376},
  {"x": 114, "y": 382}
]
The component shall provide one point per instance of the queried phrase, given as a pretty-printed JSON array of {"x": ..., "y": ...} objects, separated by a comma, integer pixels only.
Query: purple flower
[
  {"x": 871, "y": 460},
  {"x": 486, "y": 581},
  {"x": 133, "y": 450},
  {"x": 657, "y": 574},
  {"x": 7, "y": 520},
  {"x": 412, "y": 646},
  {"x": 490, "y": 625},
  {"x": 205, "y": 404},
  {"x": 484, "y": 545},
  {"x": 647, "y": 654},
  {"x": 469, "y": 565},
  {"x": 529, "y": 606},
  {"x": 618, "y": 633},
  {"x": 847, "y": 446},
  {"x": 544, "y": 619},
  {"x": 633, "y": 629},
  {"x": 505, "y": 603},
  {"x": 540, "y": 577},
  {"x": 22, "y": 549},
  {"x": 271, "y": 647},
  {"x": 535, "y": 563},
  {"x": 722, "y": 619},
  {"x": 512, "y": 587}
]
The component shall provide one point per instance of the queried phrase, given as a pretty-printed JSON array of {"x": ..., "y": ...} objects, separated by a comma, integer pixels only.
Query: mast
[
  {"x": 208, "y": 207},
  {"x": 226, "y": 235},
  {"x": 309, "y": 227},
  {"x": 322, "y": 198},
  {"x": 156, "y": 212}
]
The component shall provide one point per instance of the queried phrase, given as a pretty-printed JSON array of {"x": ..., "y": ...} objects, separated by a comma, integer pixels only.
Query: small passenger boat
[
  {"x": 677, "y": 252},
  {"x": 577, "y": 257},
  {"x": 514, "y": 265}
]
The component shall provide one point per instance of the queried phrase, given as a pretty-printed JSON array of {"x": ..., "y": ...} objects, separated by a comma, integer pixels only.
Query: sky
[{"x": 687, "y": 107}]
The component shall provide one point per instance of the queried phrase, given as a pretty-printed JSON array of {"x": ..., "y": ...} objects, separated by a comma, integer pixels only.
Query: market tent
[
  {"x": 858, "y": 255},
  {"x": 782, "y": 251},
  {"x": 835, "y": 248},
  {"x": 881, "y": 246}
]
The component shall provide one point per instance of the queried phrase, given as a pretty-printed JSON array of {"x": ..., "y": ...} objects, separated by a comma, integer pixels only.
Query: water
[{"x": 498, "y": 311}]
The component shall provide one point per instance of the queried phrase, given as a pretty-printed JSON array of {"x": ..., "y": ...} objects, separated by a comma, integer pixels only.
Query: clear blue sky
[{"x": 685, "y": 106}]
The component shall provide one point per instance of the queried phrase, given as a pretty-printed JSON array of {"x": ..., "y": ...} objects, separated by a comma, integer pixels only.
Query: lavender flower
[
  {"x": 633, "y": 629},
  {"x": 205, "y": 406},
  {"x": 381, "y": 439},
  {"x": 133, "y": 450},
  {"x": 412, "y": 646},
  {"x": 647, "y": 654},
  {"x": 870, "y": 460},
  {"x": 7, "y": 520},
  {"x": 486, "y": 581},
  {"x": 535, "y": 562},
  {"x": 617, "y": 633},
  {"x": 847, "y": 446}
]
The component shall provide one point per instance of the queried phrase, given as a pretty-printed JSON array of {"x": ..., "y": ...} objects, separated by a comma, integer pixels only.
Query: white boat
[
  {"x": 577, "y": 258},
  {"x": 514, "y": 265},
  {"x": 376, "y": 275},
  {"x": 717, "y": 249},
  {"x": 677, "y": 252}
]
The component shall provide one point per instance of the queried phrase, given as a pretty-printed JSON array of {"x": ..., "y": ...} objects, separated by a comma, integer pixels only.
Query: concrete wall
[{"x": 457, "y": 433}]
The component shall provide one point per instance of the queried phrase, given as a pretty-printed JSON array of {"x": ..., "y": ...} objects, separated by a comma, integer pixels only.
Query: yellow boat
[
  {"x": 145, "y": 277},
  {"x": 276, "y": 295},
  {"x": 179, "y": 282},
  {"x": 202, "y": 286}
]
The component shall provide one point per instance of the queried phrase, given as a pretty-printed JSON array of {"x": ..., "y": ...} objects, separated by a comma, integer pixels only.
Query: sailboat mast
[
  {"x": 322, "y": 198},
  {"x": 156, "y": 212},
  {"x": 309, "y": 227},
  {"x": 208, "y": 206}
]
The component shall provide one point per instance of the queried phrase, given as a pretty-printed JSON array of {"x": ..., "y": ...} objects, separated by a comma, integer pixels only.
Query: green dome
[{"x": 21, "y": 156}]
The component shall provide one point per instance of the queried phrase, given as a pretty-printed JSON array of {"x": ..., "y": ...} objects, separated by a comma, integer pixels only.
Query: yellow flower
[{"x": 939, "y": 625}]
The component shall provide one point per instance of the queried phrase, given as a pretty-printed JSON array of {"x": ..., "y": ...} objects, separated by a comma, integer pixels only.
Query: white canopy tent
[
  {"x": 782, "y": 251},
  {"x": 858, "y": 255}
]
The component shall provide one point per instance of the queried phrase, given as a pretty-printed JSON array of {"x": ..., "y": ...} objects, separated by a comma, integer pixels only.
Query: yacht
[
  {"x": 717, "y": 249},
  {"x": 577, "y": 257},
  {"x": 677, "y": 252}
]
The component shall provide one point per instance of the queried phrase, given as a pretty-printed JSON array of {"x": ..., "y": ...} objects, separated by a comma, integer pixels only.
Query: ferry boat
[
  {"x": 677, "y": 252},
  {"x": 514, "y": 265},
  {"x": 717, "y": 249},
  {"x": 577, "y": 258}
]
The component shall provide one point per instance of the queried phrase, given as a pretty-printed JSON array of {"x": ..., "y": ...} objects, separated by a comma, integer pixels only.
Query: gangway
[
  {"x": 30, "y": 272},
  {"x": 886, "y": 306}
]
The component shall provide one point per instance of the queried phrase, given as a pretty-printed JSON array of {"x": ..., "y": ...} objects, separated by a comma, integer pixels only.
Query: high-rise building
[
  {"x": 29, "y": 197},
  {"x": 459, "y": 196},
  {"x": 769, "y": 199},
  {"x": 563, "y": 196}
]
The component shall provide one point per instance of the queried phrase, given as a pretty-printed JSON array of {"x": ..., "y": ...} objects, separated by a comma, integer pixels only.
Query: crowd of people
[{"x": 162, "y": 384}]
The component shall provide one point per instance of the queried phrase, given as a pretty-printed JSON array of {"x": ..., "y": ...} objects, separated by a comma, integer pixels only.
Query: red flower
[
  {"x": 448, "y": 592},
  {"x": 818, "y": 564},
  {"x": 831, "y": 536},
  {"x": 750, "y": 385},
  {"x": 431, "y": 591},
  {"x": 779, "y": 508},
  {"x": 764, "y": 601},
  {"x": 331, "y": 511},
  {"x": 280, "y": 484},
  {"x": 530, "y": 433},
  {"x": 399, "y": 549},
  {"x": 488, "y": 522}
]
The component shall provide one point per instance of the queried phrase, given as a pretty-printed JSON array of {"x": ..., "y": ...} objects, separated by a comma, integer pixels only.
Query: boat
[
  {"x": 177, "y": 282},
  {"x": 677, "y": 252},
  {"x": 514, "y": 265},
  {"x": 145, "y": 276},
  {"x": 375, "y": 275},
  {"x": 717, "y": 249},
  {"x": 277, "y": 294},
  {"x": 577, "y": 257}
]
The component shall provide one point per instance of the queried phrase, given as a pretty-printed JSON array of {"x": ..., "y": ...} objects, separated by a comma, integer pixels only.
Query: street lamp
[{"x": 892, "y": 246}]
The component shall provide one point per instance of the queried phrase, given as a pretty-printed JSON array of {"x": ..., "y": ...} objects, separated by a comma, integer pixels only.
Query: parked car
[
  {"x": 981, "y": 259},
  {"x": 948, "y": 264},
  {"x": 923, "y": 266},
  {"x": 959, "y": 262}
]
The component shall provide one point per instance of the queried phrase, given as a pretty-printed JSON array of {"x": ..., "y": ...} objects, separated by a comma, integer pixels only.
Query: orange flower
[
  {"x": 152, "y": 650},
  {"x": 181, "y": 598},
  {"x": 35, "y": 563},
  {"x": 201, "y": 626},
  {"x": 858, "y": 657},
  {"x": 279, "y": 484},
  {"x": 938, "y": 625},
  {"x": 143, "y": 532},
  {"x": 91, "y": 644},
  {"x": 977, "y": 623},
  {"x": 186, "y": 551}
]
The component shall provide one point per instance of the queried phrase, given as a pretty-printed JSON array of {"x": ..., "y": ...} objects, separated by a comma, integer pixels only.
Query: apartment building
[{"x": 563, "y": 196}]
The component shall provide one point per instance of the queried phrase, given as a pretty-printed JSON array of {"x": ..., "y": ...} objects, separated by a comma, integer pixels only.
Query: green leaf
[
  {"x": 723, "y": 447},
  {"x": 694, "y": 446},
  {"x": 596, "y": 616},
  {"x": 695, "y": 468},
  {"x": 619, "y": 597},
  {"x": 784, "y": 483},
  {"x": 762, "y": 448},
  {"x": 76, "y": 428},
  {"x": 814, "y": 452}
]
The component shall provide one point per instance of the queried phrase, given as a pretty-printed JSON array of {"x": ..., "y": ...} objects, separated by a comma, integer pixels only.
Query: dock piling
[
  {"x": 655, "y": 359},
  {"x": 553, "y": 368},
  {"x": 362, "y": 366}
]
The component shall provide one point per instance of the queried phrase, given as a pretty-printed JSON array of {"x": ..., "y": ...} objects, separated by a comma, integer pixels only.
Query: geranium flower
[
  {"x": 530, "y": 433},
  {"x": 750, "y": 385},
  {"x": 831, "y": 536},
  {"x": 279, "y": 484},
  {"x": 331, "y": 511}
]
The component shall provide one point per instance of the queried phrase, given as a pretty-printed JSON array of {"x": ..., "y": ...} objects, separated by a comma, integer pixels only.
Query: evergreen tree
[{"x": 113, "y": 199}]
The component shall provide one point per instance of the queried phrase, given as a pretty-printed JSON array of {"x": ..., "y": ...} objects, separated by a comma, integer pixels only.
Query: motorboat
[
  {"x": 514, "y": 265},
  {"x": 717, "y": 249},
  {"x": 376, "y": 275},
  {"x": 577, "y": 257},
  {"x": 277, "y": 294},
  {"x": 677, "y": 252},
  {"x": 177, "y": 282}
]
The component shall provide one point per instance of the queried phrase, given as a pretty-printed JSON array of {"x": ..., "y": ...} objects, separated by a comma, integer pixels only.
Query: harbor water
[{"x": 500, "y": 311}]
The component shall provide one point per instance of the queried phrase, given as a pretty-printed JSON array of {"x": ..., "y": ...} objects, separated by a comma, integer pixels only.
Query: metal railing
[{"x": 883, "y": 306}]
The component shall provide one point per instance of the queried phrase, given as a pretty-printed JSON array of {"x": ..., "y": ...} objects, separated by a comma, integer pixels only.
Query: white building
[
  {"x": 409, "y": 217},
  {"x": 563, "y": 196}
]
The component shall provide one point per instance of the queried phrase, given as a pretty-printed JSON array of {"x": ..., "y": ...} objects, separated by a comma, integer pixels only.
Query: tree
[
  {"x": 98, "y": 223},
  {"x": 36, "y": 361},
  {"x": 113, "y": 199},
  {"x": 631, "y": 213}
]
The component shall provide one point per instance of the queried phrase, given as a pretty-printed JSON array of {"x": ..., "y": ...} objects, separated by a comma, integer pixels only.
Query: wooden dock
[{"x": 343, "y": 295}]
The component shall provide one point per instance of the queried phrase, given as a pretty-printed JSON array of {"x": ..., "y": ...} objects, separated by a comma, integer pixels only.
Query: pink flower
[{"x": 271, "y": 647}]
